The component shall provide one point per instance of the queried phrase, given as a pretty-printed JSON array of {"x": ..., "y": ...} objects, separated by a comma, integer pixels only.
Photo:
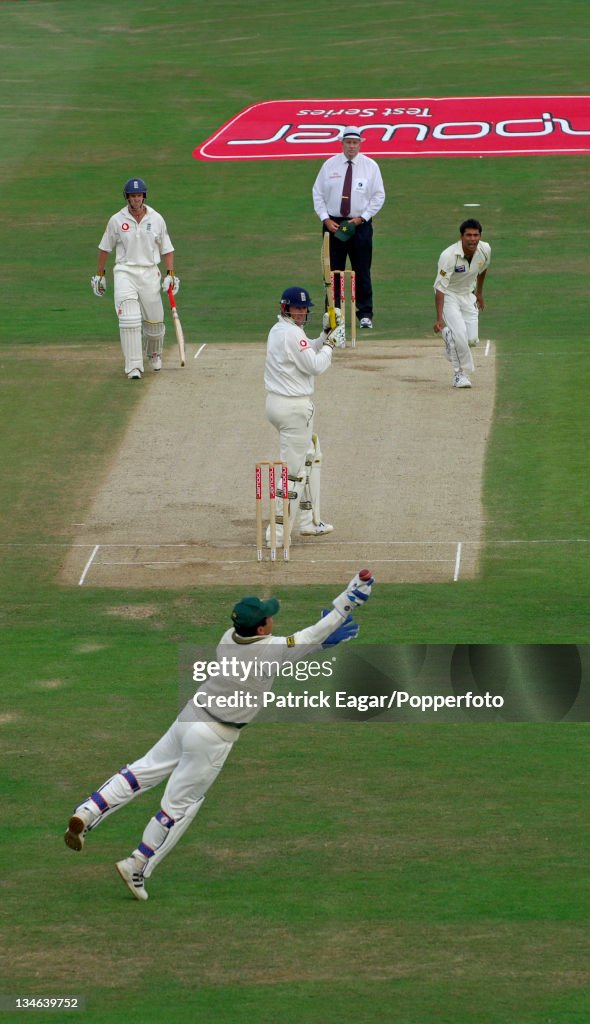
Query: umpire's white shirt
[
  {"x": 455, "y": 274},
  {"x": 367, "y": 194},
  {"x": 293, "y": 360},
  {"x": 139, "y": 245}
]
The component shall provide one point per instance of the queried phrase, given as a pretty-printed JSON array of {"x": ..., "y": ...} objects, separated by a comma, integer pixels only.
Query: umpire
[{"x": 347, "y": 194}]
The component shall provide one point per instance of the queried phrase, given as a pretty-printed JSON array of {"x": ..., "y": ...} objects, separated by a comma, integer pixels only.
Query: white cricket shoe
[
  {"x": 366, "y": 322},
  {"x": 461, "y": 381},
  {"x": 156, "y": 361},
  {"x": 314, "y": 530},
  {"x": 77, "y": 827},
  {"x": 134, "y": 374},
  {"x": 131, "y": 871}
]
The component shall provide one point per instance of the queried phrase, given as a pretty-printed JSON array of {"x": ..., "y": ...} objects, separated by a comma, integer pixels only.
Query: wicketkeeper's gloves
[
  {"x": 347, "y": 630},
  {"x": 355, "y": 595}
]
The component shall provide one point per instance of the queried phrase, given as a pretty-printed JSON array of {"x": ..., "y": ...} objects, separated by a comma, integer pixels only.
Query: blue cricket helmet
[
  {"x": 134, "y": 185},
  {"x": 296, "y": 297}
]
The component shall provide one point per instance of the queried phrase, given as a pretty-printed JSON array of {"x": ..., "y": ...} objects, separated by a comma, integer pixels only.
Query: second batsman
[{"x": 139, "y": 236}]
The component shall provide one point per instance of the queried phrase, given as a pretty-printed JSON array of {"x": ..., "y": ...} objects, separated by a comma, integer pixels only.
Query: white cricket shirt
[
  {"x": 367, "y": 193},
  {"x": 293, "y": 359},
  {"x": 455, "y": 274},
  {"x": 142, "y": 244}
]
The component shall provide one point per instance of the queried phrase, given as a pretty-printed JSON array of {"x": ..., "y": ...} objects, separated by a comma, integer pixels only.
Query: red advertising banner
[{"x": 447, "y": 126}]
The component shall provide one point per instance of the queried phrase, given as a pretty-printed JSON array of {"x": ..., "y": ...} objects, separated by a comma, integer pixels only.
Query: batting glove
[
  {"x": 170, "y": 281},
  {"x": 348, "y": 630},
  {"x": 326, "y": 319},
  {"x": 355, "y": 595},
  {"x": 98, "y": 284},
  {"x": 338, "y": 336}
]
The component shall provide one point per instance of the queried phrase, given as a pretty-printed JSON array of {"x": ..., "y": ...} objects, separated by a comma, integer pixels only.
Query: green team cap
[
  {"x": 345, "y": 231},
  {"x": 251, "y": 611}
]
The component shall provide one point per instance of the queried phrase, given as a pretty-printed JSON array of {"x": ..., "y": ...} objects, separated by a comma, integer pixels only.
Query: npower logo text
[{"x": 449, "y": 126}]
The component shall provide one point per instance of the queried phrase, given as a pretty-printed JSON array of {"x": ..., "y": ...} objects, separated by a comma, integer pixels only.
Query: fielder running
[
  {"x": 194, "y": 749},
  {"x": 458, "y": 297},
  {"x": 140, "y": 238},
  {"x": 292, "y": 362}
]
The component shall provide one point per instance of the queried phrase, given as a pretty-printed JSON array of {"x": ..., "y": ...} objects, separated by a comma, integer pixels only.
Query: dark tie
[{"x": 346, "y": 190}]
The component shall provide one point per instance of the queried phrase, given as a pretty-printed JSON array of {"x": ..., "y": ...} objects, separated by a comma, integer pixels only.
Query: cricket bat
[
  {"x": 177, "y": 326},
  {"x": 328, "y": 280}
]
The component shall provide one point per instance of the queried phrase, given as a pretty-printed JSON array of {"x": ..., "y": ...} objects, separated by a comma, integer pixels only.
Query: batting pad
[
  {"x": 153, "y": 337},
  {"x": 130, "y": 331},
  {"x": 313, "y": 462}
]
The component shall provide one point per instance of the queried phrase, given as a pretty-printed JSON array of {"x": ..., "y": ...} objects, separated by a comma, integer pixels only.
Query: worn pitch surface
[{"x": 401, "y": 478}]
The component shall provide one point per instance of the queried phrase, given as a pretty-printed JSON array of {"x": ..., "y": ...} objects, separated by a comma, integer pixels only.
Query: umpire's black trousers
[{"x": 359, "y": 250}]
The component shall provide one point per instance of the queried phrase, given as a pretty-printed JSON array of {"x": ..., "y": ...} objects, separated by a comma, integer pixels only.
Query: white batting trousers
[
  {"x": 461, "y": 315},
  {"x": 293, "y": 418},
  {"x": 137, "y": 302}
]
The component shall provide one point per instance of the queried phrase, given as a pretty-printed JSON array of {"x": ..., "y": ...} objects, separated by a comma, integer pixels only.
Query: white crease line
[
  {"x": 374, "y": 561},
  {"x": 487, "y": 348},
  {"x": 326, "y": 546},
  {"x": 389, "y": 543},
  {"x": 267, "y": 561},
  {"x": 88, "y": 564},
  {"x": 197, "y": 354},
  {"x": 457, "y": 563}
]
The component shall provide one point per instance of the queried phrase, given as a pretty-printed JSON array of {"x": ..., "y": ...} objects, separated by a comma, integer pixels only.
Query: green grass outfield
[{"x": 415, "y": 874}]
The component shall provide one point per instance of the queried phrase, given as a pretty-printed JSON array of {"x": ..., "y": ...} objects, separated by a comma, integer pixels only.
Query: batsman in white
[
  {"x": 293, "y": 361},
  {"x": 139, "y": 236},
  {"x": 194, "y": 749},
  {"x": 458, "y": 297}
]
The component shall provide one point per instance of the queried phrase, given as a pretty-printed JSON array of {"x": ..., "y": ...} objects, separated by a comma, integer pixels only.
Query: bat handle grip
[{"x": 171, "y": 297}]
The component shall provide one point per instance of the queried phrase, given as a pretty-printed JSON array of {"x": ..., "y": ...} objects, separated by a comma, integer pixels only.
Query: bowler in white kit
[{"x": 458, "y": 297}]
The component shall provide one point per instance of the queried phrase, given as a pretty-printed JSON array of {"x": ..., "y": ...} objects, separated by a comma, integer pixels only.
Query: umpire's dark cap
[{"x": 251, "y": 611}]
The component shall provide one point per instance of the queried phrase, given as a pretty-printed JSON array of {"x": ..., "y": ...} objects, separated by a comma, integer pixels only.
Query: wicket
[
  {"x": 272, "y": 496},
  {"x": 352, "y": 307}
]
